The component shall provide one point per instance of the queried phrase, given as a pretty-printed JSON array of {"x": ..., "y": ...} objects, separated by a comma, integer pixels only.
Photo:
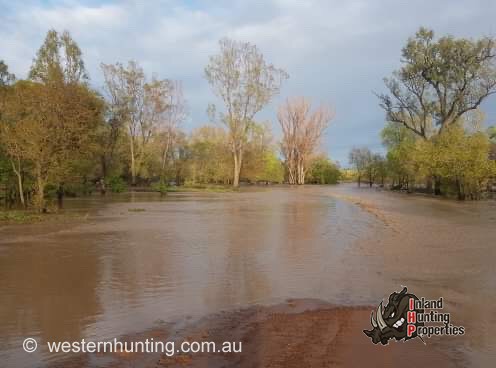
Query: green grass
[
  {"x": 30, "y": 216},
  {"x": 19, "y": 217},
  {"x": 136, "y": 209},
  {"x": 202, "y": 188}
]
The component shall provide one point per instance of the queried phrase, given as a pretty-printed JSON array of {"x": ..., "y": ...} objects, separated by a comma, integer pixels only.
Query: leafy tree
[
  {"x": 59, "y": 58},
  {"x": 6, "y": 78},
  {"x": 243, "y": 80},
  {"x": 400, "y": 143},
  {"x": 47, "y": 126},
  {"x": 460, "y": 158},
  {"x": 360, "y": 159},
  {"x": 439, "y": 82},
  {"x": 323, "y": 171},
  {"x": 142, "y": 105},
  {"x": 209, "y": 157}
]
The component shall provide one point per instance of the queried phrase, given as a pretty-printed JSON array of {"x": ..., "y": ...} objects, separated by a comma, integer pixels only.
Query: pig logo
[{"x": 398, "y": 320}]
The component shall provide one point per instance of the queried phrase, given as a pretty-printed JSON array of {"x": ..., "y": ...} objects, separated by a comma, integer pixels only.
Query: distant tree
[
  {"x": 360, "y": 159},
  {"x": 400, "y": 144},
  {"x": 144, "y": 106},
  {"x": 492, "y": 136},
  {"x": 302, "y": 130},
  {"x": 243, "y": 80},
  {"x": 59, "y": 58},
  {"x": 169, "y": 124},
  {"x": 209, "y": 156},
  {"x": 261, "y": 162},
  {"x": 323, "y": 171},
  {"x": 6, "y": 78}
]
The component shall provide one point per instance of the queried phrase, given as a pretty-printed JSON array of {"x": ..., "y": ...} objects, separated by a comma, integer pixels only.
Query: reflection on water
[{"x": 185, "y": 255}]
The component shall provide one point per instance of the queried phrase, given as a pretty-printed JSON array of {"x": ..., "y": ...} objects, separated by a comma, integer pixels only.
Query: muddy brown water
[{"x": 137, "y": 260}]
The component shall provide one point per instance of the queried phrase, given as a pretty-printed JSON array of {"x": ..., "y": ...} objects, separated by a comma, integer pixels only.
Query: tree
[
  {"x": 260, "y": 161},
  {"x": 461, "y": 158},
  {"x": 169, "y": 125},
  {"x": 400, "y": 144},
  {"x": 6, "y": 78},
  {"x": 439, "y": 82},
  {"x": 302, "y": 130},
  {"x": 360, "y": 159},
  {"x": 143, "y": 106},
  {"x": 47, "y": 125},
  {"x": 323, "y": 171},
  {"x": 59, "y": 58},
  {"x": 243, "y": 80},
  {"x": 209, "y": 156}
]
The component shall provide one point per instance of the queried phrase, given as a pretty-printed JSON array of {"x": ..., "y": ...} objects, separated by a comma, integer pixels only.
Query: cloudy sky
[{"x": 336, "y": 52}]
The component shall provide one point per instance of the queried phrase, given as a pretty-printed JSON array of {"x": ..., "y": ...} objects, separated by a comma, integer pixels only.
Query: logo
[{"x": 406, "y": 317}]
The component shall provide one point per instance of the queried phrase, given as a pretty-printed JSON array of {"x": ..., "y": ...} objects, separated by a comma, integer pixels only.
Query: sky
[{"x": 336, "y": 52}]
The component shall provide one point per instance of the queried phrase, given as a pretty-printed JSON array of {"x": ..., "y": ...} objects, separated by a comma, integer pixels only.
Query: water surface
[{"x": 138, "y": 260}]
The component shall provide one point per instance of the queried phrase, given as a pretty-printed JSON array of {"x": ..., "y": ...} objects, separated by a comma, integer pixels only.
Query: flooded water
[{"x": 136, "y": 260}]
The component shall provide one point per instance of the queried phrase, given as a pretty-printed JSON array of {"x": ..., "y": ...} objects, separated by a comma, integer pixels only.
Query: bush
[{"x": 116, "y": 184}]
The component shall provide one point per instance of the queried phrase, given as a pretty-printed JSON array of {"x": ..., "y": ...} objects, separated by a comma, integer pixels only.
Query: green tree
[
  {"x": 440, "y": 82},
  {"x": 360, "y": 159},
  {"x": 48, "y": 126},
  {"x": 461, "y": 158},
  {"x": 243, "y": 80},
  {"x": 6, "y": 78},
  {"x": 59, "y": 58},
  {"x": 400, "y": 144},
  {"x": 323, "y": 171}
]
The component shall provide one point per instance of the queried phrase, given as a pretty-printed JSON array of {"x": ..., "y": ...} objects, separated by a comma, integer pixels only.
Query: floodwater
[{"x": 134, "y": 261}]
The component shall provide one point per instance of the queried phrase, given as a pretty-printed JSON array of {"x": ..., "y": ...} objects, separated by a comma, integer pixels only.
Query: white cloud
[{"x": 335, "y": 51}]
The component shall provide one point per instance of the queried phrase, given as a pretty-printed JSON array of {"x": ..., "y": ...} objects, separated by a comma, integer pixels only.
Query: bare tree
[
  {"x": 243, "y": 80},
  {"x": 302, "y": 130}
]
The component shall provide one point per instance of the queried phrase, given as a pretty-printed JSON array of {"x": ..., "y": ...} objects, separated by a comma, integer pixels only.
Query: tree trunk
[
  {"x": 237, "y": 167},
  {"x": 461, "y": 192},
  {"x": 437, "y": 185},
  {"x": 301, "y": 173},
  {"x": 40, "y": 191},
  {"x": 19, "y": 181},
  {"x": 133, "y": 163},
  {"x": 359, "y": 181},
  {"x": 60, "y": 195}
]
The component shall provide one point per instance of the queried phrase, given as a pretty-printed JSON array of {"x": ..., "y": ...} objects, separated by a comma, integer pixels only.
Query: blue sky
[{"x": 336, "y": 52}]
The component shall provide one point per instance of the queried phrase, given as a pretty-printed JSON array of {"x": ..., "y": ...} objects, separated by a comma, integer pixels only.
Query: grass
[
  {"x": 201, "y": 188},
  {"x": 19, "y": 217},
  {"x": 30, "y": 216},
  {"x": 136, "y": 209}
]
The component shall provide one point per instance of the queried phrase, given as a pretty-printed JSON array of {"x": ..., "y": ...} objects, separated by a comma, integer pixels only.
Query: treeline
[
  {"x": 60, "y": 136},
  {"x": 434, "y": 134}
]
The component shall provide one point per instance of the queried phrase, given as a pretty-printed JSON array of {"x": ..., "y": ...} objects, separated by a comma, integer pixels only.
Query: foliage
[
  {"x": 58, "y": 59},
  {"x": 243, "y": 80},
  {"x": 460, "y": 158},
  {"x": 439, "y": 82},
  {"x": 323, "y": 171},
  {"x": 116, "y": 184}
]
